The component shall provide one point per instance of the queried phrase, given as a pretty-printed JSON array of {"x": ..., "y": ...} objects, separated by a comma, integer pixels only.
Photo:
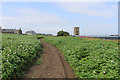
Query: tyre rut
[{"x": 53, "y": 64}]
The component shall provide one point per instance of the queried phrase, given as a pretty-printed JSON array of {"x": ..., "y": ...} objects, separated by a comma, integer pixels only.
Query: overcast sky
[{"x": 93, "y": 18}]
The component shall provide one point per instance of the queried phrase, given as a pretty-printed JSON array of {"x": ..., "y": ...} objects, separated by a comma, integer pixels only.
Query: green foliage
[
  {"x": 40, "y": 37},
  {"x": 0, "y": 55},
  {"x": 39, "y": 61},
  {"x": 62, "y": 33},
  {"x": 89, "y": 58},
  {"x": 18, "y": 52}
]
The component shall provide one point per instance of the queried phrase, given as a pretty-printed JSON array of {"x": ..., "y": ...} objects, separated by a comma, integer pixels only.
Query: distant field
[
  {"x": 110, "y": 38},
  {"x": 89, "y": 58},
  {"x": 18, "y": 52}
]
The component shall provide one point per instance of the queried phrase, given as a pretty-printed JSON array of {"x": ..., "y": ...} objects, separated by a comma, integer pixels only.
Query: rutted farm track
[{"x": 52, "y": 66}]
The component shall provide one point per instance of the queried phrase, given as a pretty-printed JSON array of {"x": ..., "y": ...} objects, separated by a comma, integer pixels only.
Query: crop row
[
  {"x": 18, "y": 52},
  {"x": 89, "y": 58}
]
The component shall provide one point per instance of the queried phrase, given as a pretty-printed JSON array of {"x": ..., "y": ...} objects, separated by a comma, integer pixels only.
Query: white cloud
[
  {"x": 60, "y": 0},
  {"x": 91, "y": 9},
  {"x": 51, "y": 30},
  {"x": 39, "y": 17},
  {"x": 0, "y": 14},
  {"x": 43, "y": 22},
  {"x": 100, "y": 29},
  {"x": 29, "y": 19}
]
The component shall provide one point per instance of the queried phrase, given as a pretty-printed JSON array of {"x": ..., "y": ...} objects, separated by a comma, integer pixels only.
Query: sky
[{"x": 93, "y": 18}]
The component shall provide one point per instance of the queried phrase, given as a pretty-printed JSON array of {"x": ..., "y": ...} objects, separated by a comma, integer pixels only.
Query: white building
[{"x": 30, "y": 33}]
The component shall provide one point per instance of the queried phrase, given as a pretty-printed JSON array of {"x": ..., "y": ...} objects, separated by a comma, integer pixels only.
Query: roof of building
[
  {"x": 30, "y": 32},
  {"x": 7, "y": 30}
]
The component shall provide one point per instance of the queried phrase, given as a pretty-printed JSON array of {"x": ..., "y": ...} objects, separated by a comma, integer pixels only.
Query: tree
[
  {"x": 20, "y": 31},
  {"x": 62, "y": 33}
]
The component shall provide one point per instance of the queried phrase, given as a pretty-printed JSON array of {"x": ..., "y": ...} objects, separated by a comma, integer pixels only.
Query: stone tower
[{"x": 76, "y": 30}]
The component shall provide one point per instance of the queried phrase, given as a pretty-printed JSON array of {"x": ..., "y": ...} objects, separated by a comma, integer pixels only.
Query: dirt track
[{"x": 52, "y": 66}]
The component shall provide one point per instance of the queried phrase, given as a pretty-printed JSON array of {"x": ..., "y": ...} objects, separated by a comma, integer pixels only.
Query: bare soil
[{"x": 53, "y": 64}]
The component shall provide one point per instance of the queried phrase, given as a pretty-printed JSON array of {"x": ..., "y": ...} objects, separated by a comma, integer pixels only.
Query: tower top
[
  {"x": 76, "y": 27},
  {"x": 76, "y": 30}
]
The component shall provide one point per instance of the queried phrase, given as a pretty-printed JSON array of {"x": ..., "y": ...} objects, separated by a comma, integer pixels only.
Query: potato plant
[
  {"x": 89, "y": 58},
  {"x": 18, "y": 52}
]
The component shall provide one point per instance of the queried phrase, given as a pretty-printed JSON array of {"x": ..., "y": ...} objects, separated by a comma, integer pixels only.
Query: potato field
[
  {"x": 18, "y": 52},
  {"x": 89, "y": 58}
]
